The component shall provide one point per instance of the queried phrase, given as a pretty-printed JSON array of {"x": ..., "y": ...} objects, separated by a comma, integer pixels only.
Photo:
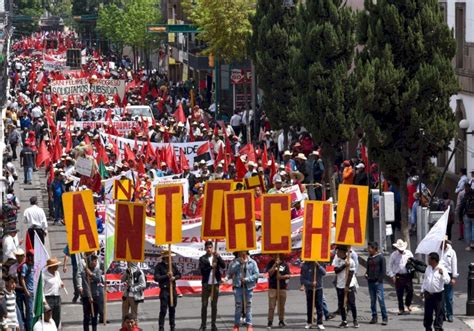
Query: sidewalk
[{"x": 188, "y": 310}]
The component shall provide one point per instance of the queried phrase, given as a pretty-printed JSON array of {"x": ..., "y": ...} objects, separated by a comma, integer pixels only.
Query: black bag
[{"x": 413, "y": 265}]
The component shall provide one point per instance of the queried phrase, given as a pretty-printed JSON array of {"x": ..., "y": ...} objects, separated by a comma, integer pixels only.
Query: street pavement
[{"x": 188, "y": 309}]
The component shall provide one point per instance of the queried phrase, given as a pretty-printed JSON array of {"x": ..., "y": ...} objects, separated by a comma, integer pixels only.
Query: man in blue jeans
[
  {"x": 25, "y": 294},
  {"x": 449, "y": 259},
  {"x": 244, "y": 274},
  {"x": 56, "y": 191},
  {"x": 375, "y": 274},
  {"x": 312, "y": 283},
  {"x": 27, "y": 161}
]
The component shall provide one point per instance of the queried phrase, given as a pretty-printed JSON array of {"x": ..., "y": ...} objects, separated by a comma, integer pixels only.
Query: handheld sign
[
  {"x": 130, "y": 231},
  {"x": 316, "y": 231},
  {"x": 240, "y": 221},
  {"x": 276, "y": 223},
  {"x": 351, "y": 214},
  {"x": 168, "y": 210},
  {"x": 79, "y": 219},
  {"x": 123, "y": 189},
  {"x": 213, "y": 219}
]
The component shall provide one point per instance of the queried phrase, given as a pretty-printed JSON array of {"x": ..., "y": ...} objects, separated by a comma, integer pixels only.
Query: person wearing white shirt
[
  {"x": 449, "y": 260},
  {"x": 435, "y": 278},
  {"x": 47, "y": 324},
  {"x": 36, "y": 219},
  {"x": 52, "y": 285},
  {"x": 398, "y": 272},
  {"x": 345, "y": 280},
  {"x": 10, "y": 244},
  {"x": 236, "y": 122},
  {"x": 462, "y": 181}
]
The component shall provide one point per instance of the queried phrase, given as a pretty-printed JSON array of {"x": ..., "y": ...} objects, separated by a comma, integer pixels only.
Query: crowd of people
[{"x": 181, "y": 113}]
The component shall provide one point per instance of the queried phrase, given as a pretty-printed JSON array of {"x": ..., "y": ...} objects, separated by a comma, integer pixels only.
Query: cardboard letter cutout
[
  {"x": 240, "y": 221},
  {"x": 276, "y": 223},
  {"x": 130, "y": 231},
  {"x": 168, "y": 211},
  {"x": 213, "y": 218},
  {"x": 316, "y": 231}
]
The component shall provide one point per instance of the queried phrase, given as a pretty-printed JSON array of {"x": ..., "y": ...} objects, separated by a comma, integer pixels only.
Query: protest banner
[
  {"x": 213, "y": 208},
  {"x": 80, "y": 222},
  {"x": 108, "y": 87},
  {"x": 239, "y": 210},
  {"x": 130, "y": 231},
  {"x": 123, "y": 189},
  {"x": 54, "y": 62},
  {"x": 316, "y": 243},
  {"x": 254, "y": 181},
  {"x": 67, "y": 87},
  {"x": 351, "y": 214},
  {"x": 123, "y": 127},
  {"x": 276, "y": 223},
  {"x": 166, "y": 180},
  {"x": 189, "y": 149},
  {"x": 84, "y": 166},
  {"x": 168, "y": 211}
]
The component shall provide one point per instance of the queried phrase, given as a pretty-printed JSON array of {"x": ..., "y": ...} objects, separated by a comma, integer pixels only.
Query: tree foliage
[
  {"x": 321, "y": 59},
  {"x": 405, "y": 81},
  {"x": 126, "y": 23},
  {"x": 31, "y": 8},
  {"x": 225, "y": 26},
  {"x": 273, "y": 26}
]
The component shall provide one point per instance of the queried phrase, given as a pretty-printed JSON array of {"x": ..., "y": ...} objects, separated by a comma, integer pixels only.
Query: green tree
[
  {"x": 224, "y": 26},
  {"x": 126, "y": 24},
  {"x": 29, "y": 8},
  {"x": 321, "y": 59},
  {"x": 405, "y": 81},
  {"x": 273, "y": 26}
]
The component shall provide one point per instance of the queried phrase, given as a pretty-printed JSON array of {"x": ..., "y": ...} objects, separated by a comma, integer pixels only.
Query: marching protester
[
  {"x": 403, "y": 280},
  {"x": 435, "y": 278},
  {"x": 312, "y": 274},
  {"x": 46, "y": 323},
  {"x": 211, "y": 266},
  {"x": 244, "y": 274},
  {"x": 10, "y": 321},
  {"x": 134, "y": 280},
  {"x": 36, "y": 219},
  {"x": 467, "y": 212},
  {"x": 449, "y": 260},
  {"x": 27, "y": 161},
  {"x": 89, "y": 281},
  {"x": 346, "y": 284},
  {"x": 167, "y": 276},
  {"x": 25, "y": 294},
  {"x": 278, "y": 272},
  {"x": 375, "y": 274},
  {"x": 52, "y": 285}
]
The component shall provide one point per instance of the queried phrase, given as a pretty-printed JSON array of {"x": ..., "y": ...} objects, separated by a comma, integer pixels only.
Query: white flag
[
  {"x": 433, "y": 239},
  {"x": 41, "y": 257}
]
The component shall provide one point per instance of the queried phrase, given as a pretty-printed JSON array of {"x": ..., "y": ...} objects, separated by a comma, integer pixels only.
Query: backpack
[
  {"x": 13, "y": 139},
  {"x": 469, "y": 206}
]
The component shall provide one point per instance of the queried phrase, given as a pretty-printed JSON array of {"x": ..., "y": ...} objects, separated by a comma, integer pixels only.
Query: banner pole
[
  {"x": 105, "y": 267},
  {"x": 346, "y": 288},
  {"x": 90, "y": 288},
  {"x": 213, "y": 272},
  {"x": 314, "y": 292},
  {"x": 278, "y": 282},
  {"x": 170, "y": 270},
  {"x": 242, "y": 274}
]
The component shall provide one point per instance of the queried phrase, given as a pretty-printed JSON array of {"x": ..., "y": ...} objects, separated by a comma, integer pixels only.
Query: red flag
[
  {"x": 43, "y": 155},
  {"x": 249, "y": 151},
  {"x": 220, "y": 156},
  {"x": 28, "y": 245},
  {"x": 158, "y": 156},
  {"x": 140, "y": 166},
  {"x": 179, "y": 114},
  {"x": 129, "y": 155},
  {"x": 149, "y": 153},
  {"x": 272, "y": 168},
  {"x": 265, "y": 157},
  {"x": 87, "y": 140},
  {"x": 68, "y": 141},
  {"x": 101, "y": 153},
  {"x": 216, "y": 130},
  {"x": 183, "y": 161},
  {"x": 170, "y": 158},
  {"x": 108, "y": 114},
  {"x": 240, "y": 168},
  {"x": 191, "y": 134},
  {"x": 57, "y": 149}
]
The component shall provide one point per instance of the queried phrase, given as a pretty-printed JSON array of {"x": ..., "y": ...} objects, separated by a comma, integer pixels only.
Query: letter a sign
[
  {"x": 79, "y": 218},
  {"x": 351, "y": 214}
]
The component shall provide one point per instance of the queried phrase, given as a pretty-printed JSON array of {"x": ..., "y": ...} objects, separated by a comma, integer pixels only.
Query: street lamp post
[{"x": 463, "y": 125}]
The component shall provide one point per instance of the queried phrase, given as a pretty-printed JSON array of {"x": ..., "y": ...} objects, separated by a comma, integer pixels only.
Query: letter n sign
[
  {"x": 130, "y": 231},
  {"x": 351, "y": 214}
]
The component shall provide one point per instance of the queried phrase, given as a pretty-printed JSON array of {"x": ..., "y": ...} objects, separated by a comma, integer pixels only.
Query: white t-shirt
[
  {"x": 341, "y": 277},
  {"x": 52, "y": 283},
  {"x": 45, "y": 326}
]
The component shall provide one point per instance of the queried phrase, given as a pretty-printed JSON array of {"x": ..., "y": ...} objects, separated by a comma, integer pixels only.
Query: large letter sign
[
  {"x": 240, "y": 221},
  {"x": 79, "y": 218},
  {"x": 316, "y": 231},
  {"x": 123, "y": 189},
  {"x": 276, "y": 223},
  {"x": 168, "y": 211},
  {"x": 213, "y": 219},
  {"x": 130, "y": 231},
  {"x": 351, "y": 214}
]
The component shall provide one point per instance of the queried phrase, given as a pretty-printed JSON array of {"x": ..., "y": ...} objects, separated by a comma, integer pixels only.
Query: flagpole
[
  {"x": 105, "y": 267},
  {"x": 213, "y": 273},
  {"x": 170, "y": 270}
]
